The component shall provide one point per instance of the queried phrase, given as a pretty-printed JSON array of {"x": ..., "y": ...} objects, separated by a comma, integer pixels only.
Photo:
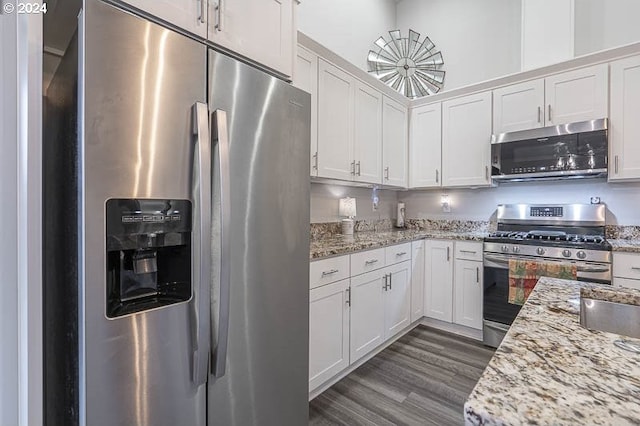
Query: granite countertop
[
  {"x": 551, "y": 370},
  {"x": 344, "y": 244},
  {"x": 625, "y": 245}
]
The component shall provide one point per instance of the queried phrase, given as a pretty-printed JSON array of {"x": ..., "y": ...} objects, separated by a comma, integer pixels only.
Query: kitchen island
[{"x": 551, "y": 370}]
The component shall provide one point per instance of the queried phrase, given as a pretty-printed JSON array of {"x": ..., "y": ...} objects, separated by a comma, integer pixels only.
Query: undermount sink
[{"x": 613, "y": 317}]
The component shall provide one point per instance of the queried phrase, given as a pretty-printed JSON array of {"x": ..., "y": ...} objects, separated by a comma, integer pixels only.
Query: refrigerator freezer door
[
  {"x": 265, "y": 379},
  {"x": 138, "y": 84}
]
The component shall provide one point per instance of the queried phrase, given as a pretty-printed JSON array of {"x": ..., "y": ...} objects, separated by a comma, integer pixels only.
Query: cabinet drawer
[
  {"x": 327, "y": 271},
  {"x": 467, "y": 250},
  {"x": 367, "y": 261},
  {"x": 397, "y": 253},
  {"x": 626, "y": 282},
  {"x": 626, "y": 265}
]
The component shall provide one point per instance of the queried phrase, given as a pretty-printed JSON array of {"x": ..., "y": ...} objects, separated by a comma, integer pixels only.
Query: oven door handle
[{"x": 502, "y": 262}]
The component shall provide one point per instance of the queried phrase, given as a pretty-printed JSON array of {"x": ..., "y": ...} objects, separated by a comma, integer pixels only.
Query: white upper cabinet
[
  {"x": 425, "y": 146},
  {"x": 518, "y": 107},
  {"x": 336, "y": 92},
  {"x": 262, "y": 31},
  {"x": 624, "y": 131},
  {"x": 578, "y": 95},
  {"x": 190, "y": 15},
  {"x": 305, "y": 77},
  {"x": 394, "y": 143},
  {"x": 568, "y": 97},
  {"x": 466, "y": 136},
  {"x": 367, "y": 134}
]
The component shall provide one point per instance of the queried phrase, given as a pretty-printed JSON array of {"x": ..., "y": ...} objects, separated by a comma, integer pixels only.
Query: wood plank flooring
[{"x": 423, "y": 378}]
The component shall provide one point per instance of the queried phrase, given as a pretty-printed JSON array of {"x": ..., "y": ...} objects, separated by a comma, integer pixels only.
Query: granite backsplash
[{"x": 329, "y": 229}]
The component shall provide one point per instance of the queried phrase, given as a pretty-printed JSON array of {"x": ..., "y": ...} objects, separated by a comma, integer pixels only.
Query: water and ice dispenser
[{"x": 148, "y": 254}]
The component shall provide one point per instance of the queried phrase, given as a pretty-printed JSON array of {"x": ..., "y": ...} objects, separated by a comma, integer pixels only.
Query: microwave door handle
[
  {"x": 222, "y": 238},
  {"x": 201, "y": 332}
]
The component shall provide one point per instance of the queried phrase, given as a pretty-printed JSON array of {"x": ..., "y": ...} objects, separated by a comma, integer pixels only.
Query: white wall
[
  {"x": 324, "y": 202},
  {"x": 602, "y": 24},
  {"x": 622, "y": 199},
  {"x": 348, "y": 28},
  {"x": 479, "y": 40}
]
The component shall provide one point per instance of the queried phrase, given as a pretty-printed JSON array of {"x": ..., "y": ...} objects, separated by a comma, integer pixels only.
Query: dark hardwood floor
[{"x": 423, "y": 378}]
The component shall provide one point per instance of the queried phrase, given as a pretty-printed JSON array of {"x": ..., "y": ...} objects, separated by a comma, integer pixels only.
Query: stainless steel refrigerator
[{"x": 176, "y": 233}]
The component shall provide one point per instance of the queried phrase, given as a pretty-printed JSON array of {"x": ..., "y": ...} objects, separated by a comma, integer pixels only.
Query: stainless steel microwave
[{"x": 574, "y": 150}]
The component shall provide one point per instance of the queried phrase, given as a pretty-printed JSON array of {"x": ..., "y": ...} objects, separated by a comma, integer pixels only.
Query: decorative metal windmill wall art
[{"x": 408, "y": 66}]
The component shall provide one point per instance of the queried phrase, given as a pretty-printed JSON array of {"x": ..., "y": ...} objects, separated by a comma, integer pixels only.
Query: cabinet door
[
  {"x": 260, "y": 30},
  {"x": 306, "y": 78},
  {"x": 468, "y": 293},
  {"x": 397, "y": 298},
  {"x": 394, "y": 143},
  {"x": 425, "y": 146},
  {"x": 190, "y": 15},
  {"x": 624, "y": 130},
  {"x": 417, "y": 279},
  {"x": 328, "y": 332},
  {"x": 466, "y": 141},
  {"x": 438, "y": 282},
  {"x": 577, "y": 95},
  {"x": 518, "y": 107},
  {"x": 335, "y": 122},
  {"x": 368, "y": 134},
  {"x": 367, "y": 313}
]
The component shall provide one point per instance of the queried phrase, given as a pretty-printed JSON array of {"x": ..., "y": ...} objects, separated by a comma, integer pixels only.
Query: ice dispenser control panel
[{"x": 148, "y": 254}]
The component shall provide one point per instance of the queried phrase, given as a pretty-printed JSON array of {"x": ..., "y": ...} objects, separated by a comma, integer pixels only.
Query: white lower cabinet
[
  {"x": 417, "y": 279},
  {"x": 468, "y": 293},
  {"x": 453, "y": 282},
  {"x": 380, "y": 307},
  {"x": 328, "y": 332},
  {"x": 626, "y": 270},
  {"x": 397, "y": 299},
  {"x": 438, "y": 280},
  {"x": 367, "y": 313}
]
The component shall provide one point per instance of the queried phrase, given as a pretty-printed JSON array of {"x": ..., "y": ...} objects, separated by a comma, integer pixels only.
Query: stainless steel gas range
[{"x": 572, "y": 234}]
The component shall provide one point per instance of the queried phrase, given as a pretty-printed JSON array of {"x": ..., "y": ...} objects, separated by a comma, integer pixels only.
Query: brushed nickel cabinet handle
[
  {"x": 371, "y": 262},
  {"x": 539, "y": 114},
  {"x": 486, "y": 172},
  {"x": 616, "y": 164},
  {"x": 477, "y": 275},
  {"x": 468, "y": 251},
  {"x": 353, "y": 168},
  {"x": 402, "y": 253},
  {"x": 202, "y": 12},
  {"x": 390, "y": 282},
  {"x": 348, "y": 302},
  {"x": 437, "y": 176},
  {"x": 448, "y": 256},
  {"x": 358, "y": 166},
  {"x": 386, "y": 173},
  {"x": 549, "y": 115},
  {"x": 385, "y": 282},
  {"x": 220, "y": 12},
  {"x": 331, "y": 272},
  {"x": 315, "y": 161}
]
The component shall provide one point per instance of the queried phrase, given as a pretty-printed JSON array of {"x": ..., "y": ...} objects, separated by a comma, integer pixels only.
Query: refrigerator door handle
[
  {"x": 222, "y": 202},
  {"x": 202, "y": 199}
]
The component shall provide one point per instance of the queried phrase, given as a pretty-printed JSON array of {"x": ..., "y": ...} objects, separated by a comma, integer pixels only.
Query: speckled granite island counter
[
  {"x": 551, "y": 370},
  {"x": 334, "y": 245}
]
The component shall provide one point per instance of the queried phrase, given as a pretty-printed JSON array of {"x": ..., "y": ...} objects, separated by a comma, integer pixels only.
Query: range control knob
[
  {"x": 581, "y": 255},
  {"x": 540, "y": 251},
  {"x": 515, "y": 249},
  {"x": 504, "y": 248},
  {"x": 566, "y": 253}
]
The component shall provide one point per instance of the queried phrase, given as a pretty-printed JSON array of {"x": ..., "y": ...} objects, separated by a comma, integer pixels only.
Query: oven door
[{"x": 498, "y": 313}]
